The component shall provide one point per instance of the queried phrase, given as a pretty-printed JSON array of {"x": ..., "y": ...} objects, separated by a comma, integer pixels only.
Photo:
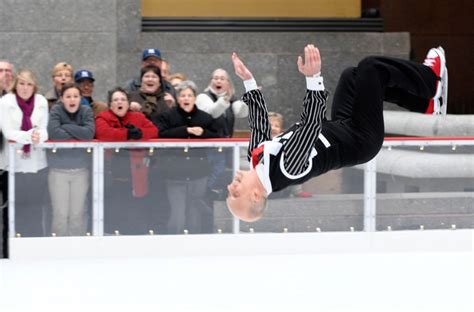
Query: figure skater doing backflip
[{"x": 315, "y": 145}]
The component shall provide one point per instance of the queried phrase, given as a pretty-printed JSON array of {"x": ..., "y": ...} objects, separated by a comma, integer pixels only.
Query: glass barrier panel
[
  {"x": 161, "y": 189},
  {"x": 425, "y": 187},
  {"x": 221, "y": 174},
  {"x": 127, "y": 204},
  {"x": 330, "y": 202},
  {"x": 168, "y": 190},
  {"x": 56, "y": 200}
]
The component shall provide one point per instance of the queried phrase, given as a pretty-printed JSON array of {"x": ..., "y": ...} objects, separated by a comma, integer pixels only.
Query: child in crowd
[
  {"x": 278, "y": 126},
  {"x": 69, "y": 168}
]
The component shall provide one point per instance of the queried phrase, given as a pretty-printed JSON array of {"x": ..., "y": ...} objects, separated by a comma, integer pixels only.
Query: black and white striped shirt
[{"x": 298, "y": 147}]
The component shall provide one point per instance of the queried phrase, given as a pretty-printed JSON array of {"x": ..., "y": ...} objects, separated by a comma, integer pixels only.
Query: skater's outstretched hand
[
  {"x": 240, "y": 69},
  {"x": 312, "y": 61}
]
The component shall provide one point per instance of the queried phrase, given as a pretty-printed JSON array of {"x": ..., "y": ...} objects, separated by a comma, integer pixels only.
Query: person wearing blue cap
[
  {"x": 85, "y": 79},
  {"x": 152, "y": 57}
]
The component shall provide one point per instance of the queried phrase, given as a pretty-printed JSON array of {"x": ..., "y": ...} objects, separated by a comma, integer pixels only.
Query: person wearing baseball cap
[
  {"x": 152, "y": 56},
  {"x": 85, "y": 79},
  {"x": 83, "y": 74}
]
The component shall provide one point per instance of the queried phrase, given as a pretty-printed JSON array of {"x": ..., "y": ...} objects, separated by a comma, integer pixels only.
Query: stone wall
[
  {"x": 272, "y": 58},
  {"x": 105, "y": 37},
  {"x": 93, "y": 34}
]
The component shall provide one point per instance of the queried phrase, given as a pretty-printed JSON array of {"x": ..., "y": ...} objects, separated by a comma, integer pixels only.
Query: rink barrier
[{"x": 97, "y": 149}]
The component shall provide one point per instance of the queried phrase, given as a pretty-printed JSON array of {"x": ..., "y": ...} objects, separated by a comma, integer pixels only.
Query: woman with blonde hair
[
  {"x": 219, "y": 100},
  {"x": 176, "y": 78},
  {"x": 61, "y": 74},
  {"x": 24, "y": 119}
]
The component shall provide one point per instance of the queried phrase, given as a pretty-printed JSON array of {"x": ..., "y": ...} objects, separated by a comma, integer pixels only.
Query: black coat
[
  {"x": 178, "y": 163},
  {"x": 174, "y": 124}
]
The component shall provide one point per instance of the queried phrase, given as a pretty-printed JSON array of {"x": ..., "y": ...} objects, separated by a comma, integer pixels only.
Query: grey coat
[{"x": 66, "y": 126}]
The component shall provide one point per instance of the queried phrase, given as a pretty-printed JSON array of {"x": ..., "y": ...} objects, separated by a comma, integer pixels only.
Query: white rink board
[{"x": 381, "y": 271}]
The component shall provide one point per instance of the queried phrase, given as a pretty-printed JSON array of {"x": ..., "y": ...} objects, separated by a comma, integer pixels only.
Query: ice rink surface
[{"x": 396, "y": 271}]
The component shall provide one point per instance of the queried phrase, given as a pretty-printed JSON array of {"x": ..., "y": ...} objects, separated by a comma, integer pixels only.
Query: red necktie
[{"x": 256, "y": 155}]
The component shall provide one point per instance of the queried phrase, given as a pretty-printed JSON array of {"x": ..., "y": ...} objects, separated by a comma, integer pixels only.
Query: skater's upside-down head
[{"x": 247, "y": 198}]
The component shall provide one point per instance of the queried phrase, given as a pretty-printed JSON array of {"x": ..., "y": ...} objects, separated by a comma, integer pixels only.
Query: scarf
[
  {"x": 150, "y": 104},
  {"x": 26, "y": 107},
  {"x": 153, "y": 103},
  {"x": 217, "y": 94}
]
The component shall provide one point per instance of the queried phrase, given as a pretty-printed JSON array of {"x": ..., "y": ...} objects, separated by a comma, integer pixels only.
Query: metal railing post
[
  {"x": 99, "y": 230},
  {"x": 370, "y": 190},
  {"x": 97, "y": 190},
  {"x": 236, "y": 167},
  {"x": 11, "y": 191}
]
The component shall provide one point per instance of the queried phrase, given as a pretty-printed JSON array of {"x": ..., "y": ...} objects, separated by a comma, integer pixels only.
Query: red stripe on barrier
[{"x": 453, "y": 138}]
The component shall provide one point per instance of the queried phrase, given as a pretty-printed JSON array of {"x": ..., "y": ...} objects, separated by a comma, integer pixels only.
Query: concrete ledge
[
  {"x": 409, "y": 123},
  {"x": 416, "y": 164}
]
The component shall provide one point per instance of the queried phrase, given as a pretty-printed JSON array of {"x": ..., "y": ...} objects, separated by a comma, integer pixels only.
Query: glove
[{"x": 133, "y": 133}]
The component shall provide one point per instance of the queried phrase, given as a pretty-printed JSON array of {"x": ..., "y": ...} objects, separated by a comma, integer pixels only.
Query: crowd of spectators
[{"x": 164, "y": 193}]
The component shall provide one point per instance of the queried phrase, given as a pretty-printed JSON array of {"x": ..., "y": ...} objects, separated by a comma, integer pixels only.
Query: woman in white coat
[
  {"x": 219, "y": 101},
  {"x": 24, "y": 119}
]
